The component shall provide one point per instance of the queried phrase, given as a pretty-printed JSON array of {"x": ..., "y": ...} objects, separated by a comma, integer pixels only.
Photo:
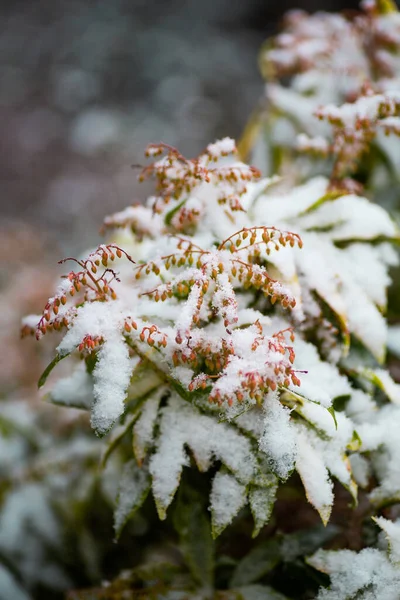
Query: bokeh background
[{"x": 86, "y": 84}]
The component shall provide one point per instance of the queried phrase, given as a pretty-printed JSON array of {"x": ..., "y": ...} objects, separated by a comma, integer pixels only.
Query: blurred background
[{"x": 86, "y": 84}]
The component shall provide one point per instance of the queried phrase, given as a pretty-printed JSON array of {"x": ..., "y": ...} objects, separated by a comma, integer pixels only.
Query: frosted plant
[
  {"x": 229, "y": 337},
  {"x": 48, "y": 485},
  {"x": 192, "y": 340},
  {"x": 367, "y": 575},
  {"x": 338, "y": 62}
]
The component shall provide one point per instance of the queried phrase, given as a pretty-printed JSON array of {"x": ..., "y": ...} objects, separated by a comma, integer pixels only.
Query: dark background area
[{"x": 86, "y": 84}]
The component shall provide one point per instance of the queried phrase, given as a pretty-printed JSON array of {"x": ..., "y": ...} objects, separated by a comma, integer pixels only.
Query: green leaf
[
  {"x": 262, "y": 502},
  {"x": 355, "y": 442},
  {"x": 50, "y": 367},
  {"x": 133, "y": 490},
  {"x": 328, "y": 197},
  {"x": 193, "y": 526},
  {"x": 257, "y": 563},
  {"x": 306, "y": 541},
  {"x": 227, "y": 497},
  {"x": 382, "y": 380},
  {"x": 143, "y": 429},
  {"x": 170, "y": 215},
  {"x": 331, "y": 411},
  {"x": 266, "y": 556}
]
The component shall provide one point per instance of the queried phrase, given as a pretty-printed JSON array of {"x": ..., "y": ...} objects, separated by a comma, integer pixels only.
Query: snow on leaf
[
  {"x": 382, "y": 379},
  {"x": 75, "y": 390},
  {"x": 392, "y": 532},
  {"x": 329, "y": 271},
  {"x": 261, "y": 502},
  {"x": 351, "y": 573},
  {"x": 315, "y": 477},
  {"x": 113, "y": 369},
  {"x": 340, "y": 276},
  {"x": 133, "y": 489},
  {"x": 227, "y": 497},
  {"x": 379, "y": 432},
  {"x": 278, "y": 440},
  {"x": 144, "y": 426},
  {"x": 350, "y": 218},
  {"x": 183, "y": 426},
  {"x": 321, "y": 382},
  {"x": 111, "y": 378}
]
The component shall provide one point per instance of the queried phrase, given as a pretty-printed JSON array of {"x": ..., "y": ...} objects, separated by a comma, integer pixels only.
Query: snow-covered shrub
[
  {"x": 233, "y": 326},
  {"x": 332, "y": 89},
  {"x": 370, "y": 574},
  {"x": 229, "y": 338}
]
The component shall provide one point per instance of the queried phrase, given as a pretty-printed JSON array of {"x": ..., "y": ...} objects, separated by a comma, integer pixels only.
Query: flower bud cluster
[
  {"x": 91, "y": 283},
  {"x": 354, "y": 126},
  {"x": 200, "y": 330}
]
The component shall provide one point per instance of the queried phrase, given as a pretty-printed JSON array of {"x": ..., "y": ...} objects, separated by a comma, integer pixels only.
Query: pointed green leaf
[
  {"x": 306, "y": 541},
  {"x": 262, "y": 502},
  {"x": 170, "y": 215},
  {"x": 331, "y": 411},
  {"x": 355, "y": 442},
  {"x": 227, "y": 497},
  {"x": 257, "y": 563},
  {"x": 193, "y": 525},
  {"x": 133, "y": 490},
  {"x": 382, "y": 380},
  {"x": 50, "y": 367}
]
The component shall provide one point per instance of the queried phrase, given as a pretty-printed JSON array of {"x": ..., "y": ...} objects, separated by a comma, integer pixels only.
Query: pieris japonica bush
[
  {"x": 332, "y": 84},
  {"x": 229, "y": 340}
]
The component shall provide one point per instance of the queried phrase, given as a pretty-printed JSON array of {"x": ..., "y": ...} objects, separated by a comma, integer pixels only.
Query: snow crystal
[
  {"x": 189, "y": 309},
  {"x": 360, "y": 468}
]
